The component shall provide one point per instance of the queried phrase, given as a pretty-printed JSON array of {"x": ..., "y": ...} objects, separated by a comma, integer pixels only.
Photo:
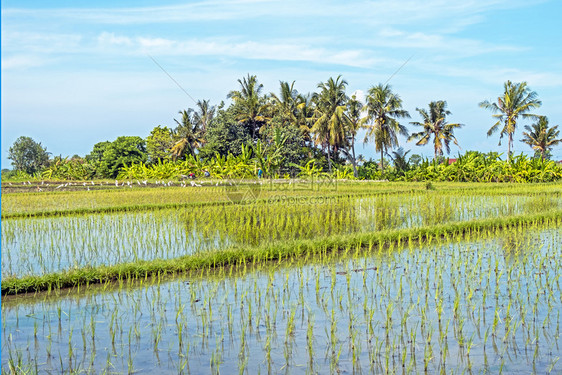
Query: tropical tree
[
  {"x": 517, "y": 100},
  {"x": 541, "y": 137},
  {"x": 330, "y": 118},
  {"x": 354, "y": 113},
  {"x": 286, "y": 104},
  {"x": 435, "y": 125},
  {"x": 305, "y": 117},
  {"x": 225, "y": 135},
  {"x": 203, "y": 115},
  {"x": 399, "y": 159},
  {"x": 384, "y": 108},
  {"x": 159, "y": 143},
  {"x": 251, "y": 106},
  {"x": 27, "y": 155},
  {"x": 124, "y": 151},
  {"x": 188, "y": 134}
]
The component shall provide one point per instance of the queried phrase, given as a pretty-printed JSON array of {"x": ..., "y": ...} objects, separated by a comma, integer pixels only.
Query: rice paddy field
[{"x": 283, "y": 277}]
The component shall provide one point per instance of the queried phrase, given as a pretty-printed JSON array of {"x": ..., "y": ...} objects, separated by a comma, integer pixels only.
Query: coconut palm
[
  {"x": 541, "y": 137},
  {"x": 399, "y": 159},
  {"x": 251, "y": 105},
  {"x": 330, "y": 119},
  {"x": 354, "y": 113},
  {"x": 517, "y": 100},
  {"x": 305, "y": 117},
  {"x": 384, "y": 108},
  {"x": 188, "y": 134},
  {"x": 203, "y": 115},
  {"x": 285, "y": 105},
  {"x": 435, "y": 125}
]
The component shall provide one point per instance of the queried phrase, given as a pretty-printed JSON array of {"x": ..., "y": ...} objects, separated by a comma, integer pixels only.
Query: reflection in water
[
  {"x": 43, "y": 245},
  {"x": 451, "y": 307}
]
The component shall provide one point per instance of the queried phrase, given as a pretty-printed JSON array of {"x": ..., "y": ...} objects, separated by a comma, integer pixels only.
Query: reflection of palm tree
[
  {"x": 541, "y": 137},
  {"x": 434, "y": 125},
  {"x": 330, "y": 118},
  {"x": 250, "y": 105},
  {"x": 383, "y": 109},
  {"x": 517, "y": 100}
]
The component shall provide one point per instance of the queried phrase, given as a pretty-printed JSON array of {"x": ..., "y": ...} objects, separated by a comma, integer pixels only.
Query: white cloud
[
  {"x": 271, "y": 50},
  {"x": 448, "y": 13},
  {"x": 106, "y": 38},
  {"x": 22, "y": 62},
  {"x": 40, "y": 42}
]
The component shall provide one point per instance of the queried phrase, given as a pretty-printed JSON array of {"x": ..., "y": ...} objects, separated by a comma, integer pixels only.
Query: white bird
[
  {"x": 88, "y": 188},
  {"x": 138, "y": 182},
  {"x": 84, "y": 184},
  {"x": 144, "y": 182},
  {"x": 93, "y": 183},
  {"x": 61, "y": 185},
  {"x": 116, "y": 183}
]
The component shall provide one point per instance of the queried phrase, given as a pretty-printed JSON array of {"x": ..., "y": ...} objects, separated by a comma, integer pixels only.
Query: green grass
[{"x": 141, "y": 198}]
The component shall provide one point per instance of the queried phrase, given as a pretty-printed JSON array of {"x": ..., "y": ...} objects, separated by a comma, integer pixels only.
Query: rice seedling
[{"x": 367, "y": 279}]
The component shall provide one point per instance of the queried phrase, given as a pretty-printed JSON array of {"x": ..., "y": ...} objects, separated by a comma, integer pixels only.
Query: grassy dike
[{"x": 272, "y": 252}]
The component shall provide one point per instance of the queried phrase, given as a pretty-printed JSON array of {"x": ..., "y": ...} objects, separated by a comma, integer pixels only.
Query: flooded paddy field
[
  {"x": 36, "y": 246},
  {"x": 440, "y": 281},
  {"x": 490, "y": 303}
]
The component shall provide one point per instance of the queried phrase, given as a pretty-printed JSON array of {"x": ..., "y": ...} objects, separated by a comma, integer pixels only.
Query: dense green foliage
[
  {"x": 28, "y": 156},
  {"x": 288, "y": 134}
]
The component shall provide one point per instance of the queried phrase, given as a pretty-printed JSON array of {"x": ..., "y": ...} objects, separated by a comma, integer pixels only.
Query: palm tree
[
  {"x": 189, "y": 135},
  {"x": 434, "y": 124},
  {"x": 330, "y": 118},
  {"x": 517, "y": 100},
  {"x": 286, "y": 103},
  {"x": 251, "y": 106},
  {"x": 354, "y": 112},
  {"x": 204, "y": 115},
  {"x": 383, "y": 109},
  {"x": 399, "y": 159},
  {"x": 541, "y": 137},
  {"x": 305, "y": 117}
]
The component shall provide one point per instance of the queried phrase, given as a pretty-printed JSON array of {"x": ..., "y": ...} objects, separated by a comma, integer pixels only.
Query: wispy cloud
[
  {"x": 272, "y": 50},
  {"x": 373, "y": 12},
  {"x": 23, "y": 62}
]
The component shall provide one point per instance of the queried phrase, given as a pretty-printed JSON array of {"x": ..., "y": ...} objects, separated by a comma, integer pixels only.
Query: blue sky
[{"x": 75, "y": 73}]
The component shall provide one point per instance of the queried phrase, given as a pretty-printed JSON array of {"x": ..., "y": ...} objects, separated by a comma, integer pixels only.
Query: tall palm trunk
[
  {"x": 509, "y": 142},
  {"x": 353, "y": 161},
  {"x": 329, "y": 159},
  {"x": 382, "y": 159}
]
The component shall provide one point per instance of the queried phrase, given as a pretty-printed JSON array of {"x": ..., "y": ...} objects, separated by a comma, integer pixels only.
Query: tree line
[{"x": 289, "y": 129}]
